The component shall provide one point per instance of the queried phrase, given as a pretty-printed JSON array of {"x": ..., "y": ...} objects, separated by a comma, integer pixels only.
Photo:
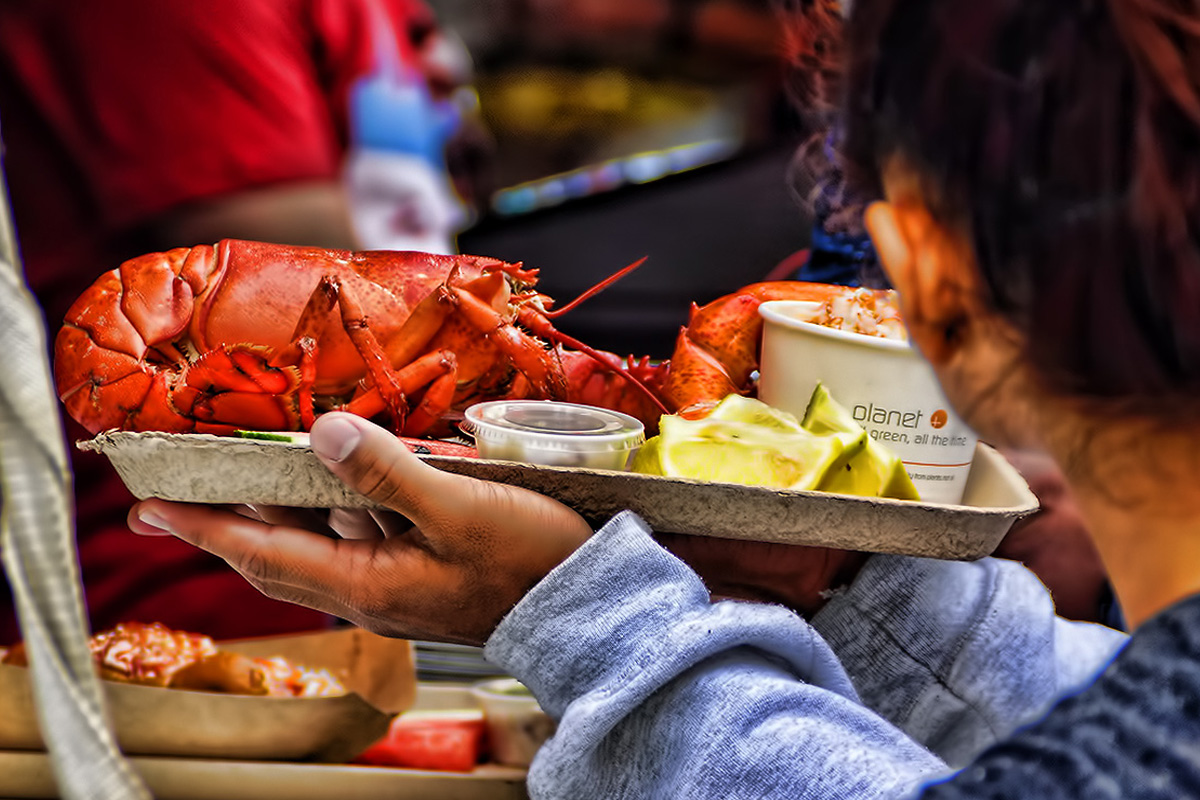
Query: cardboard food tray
[
  {"x": 149, "y": 720},
  {"x": 201, "y": 468},
  {"x": 29, "y": 775}
]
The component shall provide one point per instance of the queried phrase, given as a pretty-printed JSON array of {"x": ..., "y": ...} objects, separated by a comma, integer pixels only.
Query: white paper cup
[{"x": 886, "y": 384}]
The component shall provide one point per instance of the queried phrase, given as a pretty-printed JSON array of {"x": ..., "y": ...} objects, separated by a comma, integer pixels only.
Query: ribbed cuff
[{"x": 564, "y": 637}]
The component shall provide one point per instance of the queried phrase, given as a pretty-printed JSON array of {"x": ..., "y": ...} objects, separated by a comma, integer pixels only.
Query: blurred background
[{"x": 624, "y": 129}]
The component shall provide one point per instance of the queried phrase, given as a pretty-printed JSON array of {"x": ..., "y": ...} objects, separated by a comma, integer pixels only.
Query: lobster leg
[
  {"x": 419, "y": 329},
  {"x": 540, "y": 366},
  {"x": 609, "y": 381},
  {"x": 332, "y": 292},
  {"x": 541, "y": 326},
  {"x": 390, "y": 387},
  {"x": 438, "y": 371},
  {"x": 303, "y": 348}
]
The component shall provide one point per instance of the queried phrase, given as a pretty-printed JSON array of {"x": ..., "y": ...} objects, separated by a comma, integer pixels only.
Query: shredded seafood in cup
[{"x": 871, "y": 313}]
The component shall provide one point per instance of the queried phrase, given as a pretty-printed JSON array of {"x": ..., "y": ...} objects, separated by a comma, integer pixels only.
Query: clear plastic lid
[{"x": 551, "y": 425}]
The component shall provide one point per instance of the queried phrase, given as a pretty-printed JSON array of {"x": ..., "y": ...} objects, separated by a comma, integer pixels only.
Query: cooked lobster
[
  {"x": 246, "y": 335},
  {"x": 265, "y": 337}
]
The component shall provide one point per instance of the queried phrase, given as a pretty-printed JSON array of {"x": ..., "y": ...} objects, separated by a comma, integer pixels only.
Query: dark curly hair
[{"x": 1064, "y": 135}]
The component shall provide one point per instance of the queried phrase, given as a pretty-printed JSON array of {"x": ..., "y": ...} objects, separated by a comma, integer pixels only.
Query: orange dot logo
[{"x": 939, "y": 418}]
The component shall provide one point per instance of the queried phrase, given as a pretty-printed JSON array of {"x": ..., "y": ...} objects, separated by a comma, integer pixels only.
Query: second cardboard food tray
[{"x": 201, "y": 468}]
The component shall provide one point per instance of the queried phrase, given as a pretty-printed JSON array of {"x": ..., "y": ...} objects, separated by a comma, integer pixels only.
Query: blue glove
[{"x": 396, "y": 112}]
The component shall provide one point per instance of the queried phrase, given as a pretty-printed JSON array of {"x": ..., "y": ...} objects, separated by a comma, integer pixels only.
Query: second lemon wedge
[{"x": 747, "y": 442}]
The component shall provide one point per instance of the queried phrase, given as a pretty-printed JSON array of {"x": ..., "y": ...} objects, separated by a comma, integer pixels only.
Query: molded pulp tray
[
  {"x": 201, "y": 468},
  {"x": 29, "y": 775},
  {"x": 152, "y": 720}
]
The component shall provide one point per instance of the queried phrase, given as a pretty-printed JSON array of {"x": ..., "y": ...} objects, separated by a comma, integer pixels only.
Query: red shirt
[{"x": 115, "y": 111}]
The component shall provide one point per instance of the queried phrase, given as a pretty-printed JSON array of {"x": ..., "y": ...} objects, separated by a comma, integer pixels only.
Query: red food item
[
  {"x": 416, "y": 741},
  {"x": 155, "y": 655},
  {"x": 149, "y": 654},
  {"x": 282, "y": 678}
]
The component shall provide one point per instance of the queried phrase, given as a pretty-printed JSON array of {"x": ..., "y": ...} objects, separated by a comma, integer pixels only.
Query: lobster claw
[
  {"x": 696, "y": 375},
  {"x": 715, "y": 353},
  {"x": 235, "y": 387}
]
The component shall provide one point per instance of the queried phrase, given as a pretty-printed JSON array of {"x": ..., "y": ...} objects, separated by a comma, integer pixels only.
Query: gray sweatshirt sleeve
[
  {"x": 660, "y": 693},
  {"x": 958, "y": 655}
]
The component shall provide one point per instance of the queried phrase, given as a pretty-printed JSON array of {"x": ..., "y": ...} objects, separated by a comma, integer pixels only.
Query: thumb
[{"x": 375, "y": 463}]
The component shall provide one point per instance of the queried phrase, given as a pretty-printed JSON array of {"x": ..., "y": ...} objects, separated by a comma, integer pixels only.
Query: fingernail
[
  {"x": 335, "y": 439},
  {"x": 154, "y": 521}
]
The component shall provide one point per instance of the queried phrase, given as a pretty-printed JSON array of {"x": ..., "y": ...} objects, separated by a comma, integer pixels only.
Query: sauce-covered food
[{"x": 155, "y": 655}]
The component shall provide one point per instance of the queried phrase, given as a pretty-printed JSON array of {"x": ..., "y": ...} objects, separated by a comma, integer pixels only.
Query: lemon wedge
[
  {"x": 736, "y": 408},
  {"x": 744, "y": 441},
  {"x": 874, "y": 471}
]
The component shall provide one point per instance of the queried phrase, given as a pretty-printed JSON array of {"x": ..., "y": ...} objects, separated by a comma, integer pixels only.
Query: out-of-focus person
[
  {"x": 133, "y": 126},
  {"x": 1053, "y": 543}
]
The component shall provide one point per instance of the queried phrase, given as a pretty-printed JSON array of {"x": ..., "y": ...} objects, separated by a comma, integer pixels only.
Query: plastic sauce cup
[
  {"x": 887, "y": 385},
  {"x": 516, "y": 725},
  {"x": 551, "y": 433}
]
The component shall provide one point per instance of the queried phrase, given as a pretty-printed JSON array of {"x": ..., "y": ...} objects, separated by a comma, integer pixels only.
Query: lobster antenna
[
  {"x": 595, "y": 290},
  {"x": 591, "y": 352}
]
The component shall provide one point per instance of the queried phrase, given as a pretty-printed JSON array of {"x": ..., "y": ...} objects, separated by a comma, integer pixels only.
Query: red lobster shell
[{"x": 264, "y": 337}]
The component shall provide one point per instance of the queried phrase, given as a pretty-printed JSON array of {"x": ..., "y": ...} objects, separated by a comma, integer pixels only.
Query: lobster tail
[{"x": 107, "y": 369}]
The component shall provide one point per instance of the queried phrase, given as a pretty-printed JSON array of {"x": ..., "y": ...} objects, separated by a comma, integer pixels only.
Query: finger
[
  {"x": 309, "y": 519},
  {"x": 354, "y": 523},
  {"x": 372, "y": 587},
  {"x": 375, "y": 463},
  {"x": 265, "y": 554},
  {"x": 392, "y": 524},
  {"x": 245, "y": 509}
]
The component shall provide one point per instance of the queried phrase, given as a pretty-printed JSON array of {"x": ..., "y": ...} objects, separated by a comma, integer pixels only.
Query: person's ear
[
  {"x": 891, "y": 244},
  {"x": 926, "y": 264}
]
